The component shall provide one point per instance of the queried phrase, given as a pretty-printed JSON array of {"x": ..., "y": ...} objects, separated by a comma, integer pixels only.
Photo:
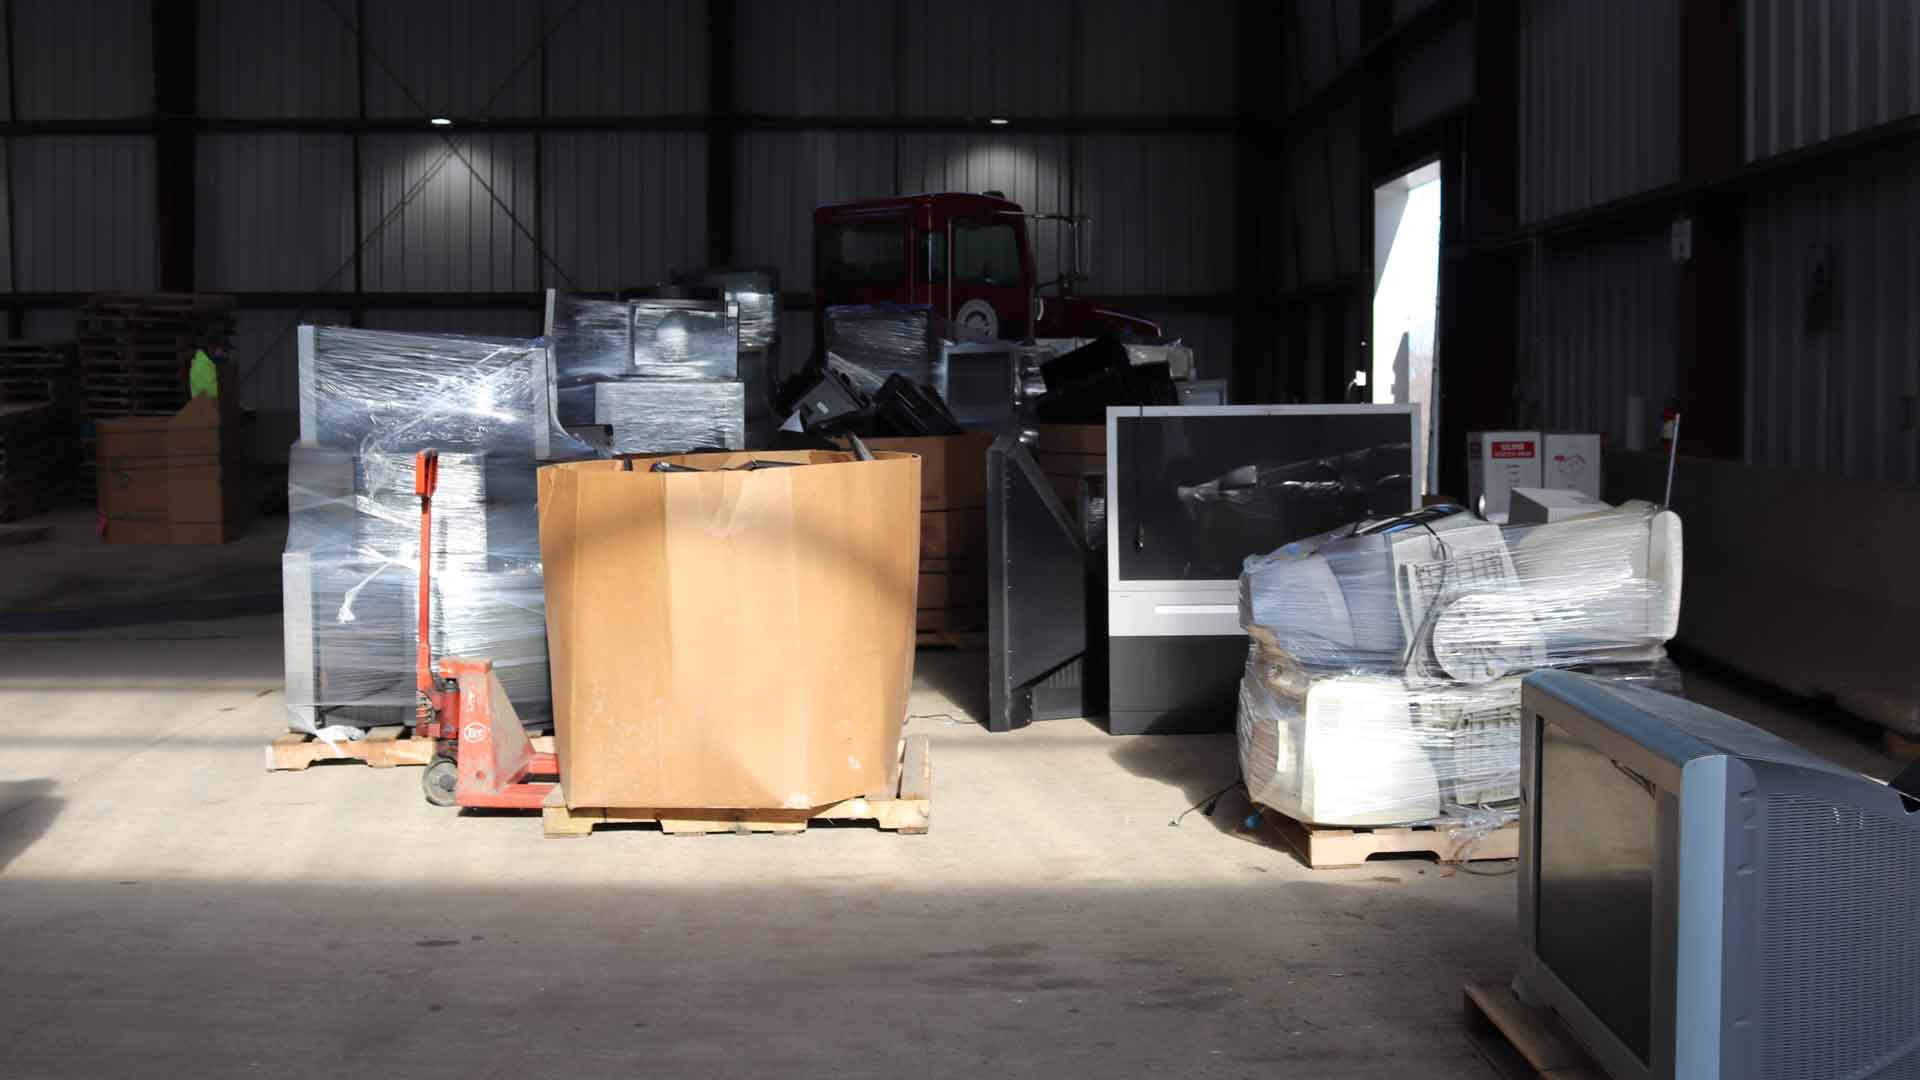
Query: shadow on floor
[
  {"x": 1201, "y": 766},
  {"x": 27, "y": 810},
  {"x": 960, "y": 677}
]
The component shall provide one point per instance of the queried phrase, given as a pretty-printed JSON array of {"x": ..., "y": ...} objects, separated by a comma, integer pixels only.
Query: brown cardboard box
[
  {"x": 731, "y": 640},
  {"x": 949, "y": 533},
  {"x": 173, "y": 479},
  {"x": 953, "y": 468}
]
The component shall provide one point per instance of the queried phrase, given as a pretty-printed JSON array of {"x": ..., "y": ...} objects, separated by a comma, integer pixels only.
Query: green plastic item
[{"x": 203, "y": 378}]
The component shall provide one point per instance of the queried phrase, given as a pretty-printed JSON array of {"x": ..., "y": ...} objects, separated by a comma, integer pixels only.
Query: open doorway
[{"x": 1406, "y": 289}]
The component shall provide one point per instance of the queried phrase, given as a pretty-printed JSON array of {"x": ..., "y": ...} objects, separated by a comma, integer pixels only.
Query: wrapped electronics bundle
[
  {"x": 1383, "y": 682},
  {"x": 867, "y": 343},
  {"x": 679, "y": 345},
  {"x": 370, "y": 401}
]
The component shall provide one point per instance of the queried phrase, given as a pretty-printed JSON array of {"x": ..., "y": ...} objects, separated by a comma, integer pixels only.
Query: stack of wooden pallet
[
  {"x": 33, "y": 463},
  {"x": 39, "y": 426},
  {"x": 135, "y": 352}
]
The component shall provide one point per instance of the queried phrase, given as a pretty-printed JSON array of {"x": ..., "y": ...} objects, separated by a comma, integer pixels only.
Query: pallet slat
[
  {"x": 906, "y": 807},
  {"x": 383, "y": 748},
  {"x": 1522, "y": 1042},
  {"x": 1324, "y": 848}
]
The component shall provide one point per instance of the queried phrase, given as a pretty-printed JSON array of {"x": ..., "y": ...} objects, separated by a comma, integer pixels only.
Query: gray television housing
[{"x": 1783, "y": 934}]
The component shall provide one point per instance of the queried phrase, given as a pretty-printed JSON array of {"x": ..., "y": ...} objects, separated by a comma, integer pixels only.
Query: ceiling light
[
  {"x": 998, "y": 121},
  {"x": 441, "y": 121}
]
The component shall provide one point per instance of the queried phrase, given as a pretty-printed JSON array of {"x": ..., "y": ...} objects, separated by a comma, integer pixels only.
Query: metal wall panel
[
  {"x": 1208, "y": 334},
  {"x": 459, "y": 58},
  {"x": 1597, "y": 327},
  {"x": 1326, "y": 196},
  {"x": 1406, "y": 9},
  {"x": 84, "y": 212},
  {"x": 448, "y": 226},
  {"x": 1434, "y": 77},
  {"x": 1156, "y": 57},
  {"x": 49, "y": 324},
  {"x": 1317, "y": 40},
  {"x": 624, "y": 210},
  {"x": 1833, "y": 335},
  {"x": 292, "y": 58},
  {"x": 781, "y": 177},
  {"x": 1817, "y": 69},
  {"x": 83, "y": 58},
  {"x": 1162, "y": 209},
  {"x": 990, "y": 58},
  {"x": 266, "y": 354},
  {"x": 822, "y": 58},
  {"x": 1598, "y": 102},
  {"x": 274, "y": 212},
  {"x": 627, "y": 57},
  {"x": 1032, "y": 170},
  {"x": 478, "y": 322}
]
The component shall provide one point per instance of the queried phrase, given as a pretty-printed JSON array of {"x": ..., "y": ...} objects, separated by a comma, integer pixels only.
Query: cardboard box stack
[
  {"x": 1074, "y": 457},
  {"x": 174, "y": 479},
  {"x": 135, "y": 352},
  {"x": 953, "y": 530}
]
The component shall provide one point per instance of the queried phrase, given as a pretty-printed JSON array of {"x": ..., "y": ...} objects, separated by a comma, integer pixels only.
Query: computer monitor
[
  {"x": 1191, "y": 492},
  {"x": 1700, "y": 899}
]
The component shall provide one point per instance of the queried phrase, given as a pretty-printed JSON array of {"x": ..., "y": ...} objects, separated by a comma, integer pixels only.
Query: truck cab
[{"x": 967, "y": 256}]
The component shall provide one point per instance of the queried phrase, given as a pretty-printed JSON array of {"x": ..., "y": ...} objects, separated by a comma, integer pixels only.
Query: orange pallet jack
[{"x": 483, "y": 757}]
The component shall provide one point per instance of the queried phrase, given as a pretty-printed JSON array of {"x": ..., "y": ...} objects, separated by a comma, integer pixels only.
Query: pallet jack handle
[{"x": 426, "y": 477}]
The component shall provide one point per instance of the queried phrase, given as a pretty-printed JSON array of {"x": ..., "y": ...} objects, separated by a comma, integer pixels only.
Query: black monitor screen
[
  {"x": 1595, "y": 894},
  {"x": 1196, "y": 494}
]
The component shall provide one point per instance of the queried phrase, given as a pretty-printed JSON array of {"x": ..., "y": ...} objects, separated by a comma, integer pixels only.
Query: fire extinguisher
[{"x": 1669, "y": 427}]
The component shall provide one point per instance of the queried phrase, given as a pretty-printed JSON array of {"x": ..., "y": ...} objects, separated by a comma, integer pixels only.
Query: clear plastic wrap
[
  {"x": 684, "y": 339},
  {"x": 351, "y": 567},
  {"x": 660, "y": 416},
  {"x": 1382, "y": 686},
  {"x": 591, "y": 341},
  {"x": 869, "y": 342},
  {"x": 755, "y": 294}
]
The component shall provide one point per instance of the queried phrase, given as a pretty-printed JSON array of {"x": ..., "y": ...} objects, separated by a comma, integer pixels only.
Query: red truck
[{"x": 967, "y": 256}]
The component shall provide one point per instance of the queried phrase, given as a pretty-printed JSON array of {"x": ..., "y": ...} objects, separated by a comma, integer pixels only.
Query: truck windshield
[
  {"x": 982, "y": 255},
  {"x": 863, "y": 255}
]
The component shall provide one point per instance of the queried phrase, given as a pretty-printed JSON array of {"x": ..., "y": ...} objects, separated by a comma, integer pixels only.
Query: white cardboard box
[
  {"x": 1544, "y": 506},
  {"x": 1571, "y": 463},
  {"x": 1498, "y": 462}
]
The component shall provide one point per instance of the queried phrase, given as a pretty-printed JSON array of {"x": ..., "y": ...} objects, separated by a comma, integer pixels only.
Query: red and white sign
[{"x": 1517, "y": 448}]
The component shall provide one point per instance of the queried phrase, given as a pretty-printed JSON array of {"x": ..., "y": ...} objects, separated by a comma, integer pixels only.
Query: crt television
[
  {"x": 1702, "y": 900},
  {"x": 1192, "y": 490}
]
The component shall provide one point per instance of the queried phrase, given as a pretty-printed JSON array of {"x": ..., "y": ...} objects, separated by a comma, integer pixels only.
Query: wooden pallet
[
  {"x": 1522, "y": 1042},
  {"x": 383, "y": 748},
  {"x": 1325, "y": 848},
  {"x": 906, "y": 806}
]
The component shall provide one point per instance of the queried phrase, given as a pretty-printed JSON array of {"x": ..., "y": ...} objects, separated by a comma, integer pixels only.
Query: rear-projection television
[
  {"x": 1702, "y": 900},
  {"x": 1191, "y": 492}
]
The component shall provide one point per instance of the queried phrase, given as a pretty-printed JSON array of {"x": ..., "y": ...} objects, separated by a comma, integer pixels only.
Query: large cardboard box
[
  {"x": 953, "y": 468},
  {"x": 1571, "y": 463},
  {"x": 729, "y": 639},
  {"x": 1498, "y": 462},
  {"x": 172, "y": 479}
]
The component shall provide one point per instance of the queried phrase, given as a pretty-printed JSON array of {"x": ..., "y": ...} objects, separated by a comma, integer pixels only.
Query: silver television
[
  {"x": 1702, "y": 900},
  {"x": 1191, "y": 491}
]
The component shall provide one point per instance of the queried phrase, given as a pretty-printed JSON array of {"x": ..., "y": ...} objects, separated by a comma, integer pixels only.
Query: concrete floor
[{"x": 168, "y": 908}]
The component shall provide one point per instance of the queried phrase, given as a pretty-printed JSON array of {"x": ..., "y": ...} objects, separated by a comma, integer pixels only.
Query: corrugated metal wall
[
  {"x": 274, "y": 212},
  {"x": 594, "y": 55},
  {"x": 293, "y": 58},
  {"x": 453, "y": 57},
  {"x": 824, "y": 58},
  {"x": 1598, "y": 102},
  {"x": 84, "y": 212},
  {"x": 1154, "y": 57},
  {"x": 83, "y": 58},
  {"x": 780, "y": 177},
  {"x": 1434, "y": 77},
  {"x": 988, "y": 58},
  {"x": 1597, "y": 326},
  {"x": 1816, "y": 69},
  {"x": 1833, "y": 333},
  {"x": 458, "y": 212},
  {"x": 623, "y": 209}
]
